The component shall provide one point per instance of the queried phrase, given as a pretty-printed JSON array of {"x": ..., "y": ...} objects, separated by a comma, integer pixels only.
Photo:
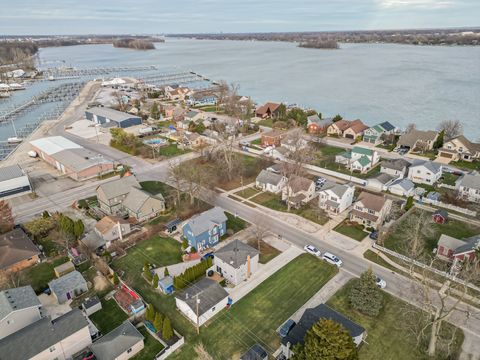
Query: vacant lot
[
  {"x": 352, "y": 230},
  {"x": 109, "y": 317},
  {"x": 388, "y": 338}
]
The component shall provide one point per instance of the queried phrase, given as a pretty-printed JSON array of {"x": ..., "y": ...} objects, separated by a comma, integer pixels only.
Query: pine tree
[
  {"x": 147, "y": 274},
  {"x": 365, "y": 296},
  {"x": 150, "y": 313},
  {"x": 158, "y": 322},
  {"x": 116, "y": 280},
  {"x": 167, "y": 331},
  {"x": 155, "y": 281},
  {"x": 154, "y": 112},
  {"x": 78, "y": 228},
  {"x": 326, "y": 339},
  {"x": 166, "y": 272},
  {"x": 6, "y": 217}
]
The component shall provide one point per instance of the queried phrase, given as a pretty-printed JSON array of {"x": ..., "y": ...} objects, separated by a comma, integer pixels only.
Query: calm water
[{"x": 373, "y": 82}]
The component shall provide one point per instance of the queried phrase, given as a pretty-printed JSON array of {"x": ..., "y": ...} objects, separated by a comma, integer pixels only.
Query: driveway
[{"x": 51, "y": 308}]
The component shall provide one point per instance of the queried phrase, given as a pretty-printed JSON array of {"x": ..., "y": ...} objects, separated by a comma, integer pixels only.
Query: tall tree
[
  {"x": 155, "y": 280},
  {"x": 150, "y": 313},
  {"x": 6, "y": 217},
  {"x": 78, "y": 228},
  {"x": 158, "y": 321},
  {"x": 326, "y": 340},
  {"x": 365, "y": 296},
  {"x": 154, "y": 111},
  {"x": 167, "y": 330},
  {"x": 166, "y": 272},
  {"x": 337, "y": 117},
  {"x": 439, "y": 142}
]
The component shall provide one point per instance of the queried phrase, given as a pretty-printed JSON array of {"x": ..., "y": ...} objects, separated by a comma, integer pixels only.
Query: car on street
[
  {"x": 286, "y": 327},
  {"x": 332, "y": 259},
  {"x": 382, "y": 284},
  {"x": 312, "y": 250}
]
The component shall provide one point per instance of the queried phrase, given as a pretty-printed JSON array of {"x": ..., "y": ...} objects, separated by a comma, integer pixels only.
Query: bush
[
  {"x": 82, "y": 204},
  {"x": 409, "y": 203},
  {"x": 365, "y": 296},
  {"x": 167, "y": 330}
]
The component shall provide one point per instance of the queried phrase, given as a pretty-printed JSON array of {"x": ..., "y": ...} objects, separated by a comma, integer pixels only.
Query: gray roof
[
  {"x": 450, "y": 242},
  {"x": 118, "y": 187},
  {"x": 90, "y": 302},
  {"x": 471, "y": 244},
  {"x": 314, "y": 119},
  {"x": 67, "y": 282},
  {"x": 256, "y": 352},
  {"x": 41, "y": 335},
  {"x": 15, "y": 246},
  {"x": 471, "y": 181},
  {"x": 136, "y": 198},
  {"x": 10, "y": 172},
  {"x": 166, "y": 281},
  {"x": 397, "y": 164},
  {"x": 209, "y": 292},
  {"x": 79, "y": 159},
  {"x": 204, "y": 221},
  {"x": 111, "y": 114},
  {"x": 116, "y": 342},
  {"x": 17, "y": 299},
  {"x": 384, "y": 178},
  {"x": 338, "y": 189},
  {"x": 411, "y": 138},
  {"x": 405, "y": 184},
  {"x": 236, "y": 253},
  {"x": 269, "y": 177},
  {"x": 430, "y": 165}
]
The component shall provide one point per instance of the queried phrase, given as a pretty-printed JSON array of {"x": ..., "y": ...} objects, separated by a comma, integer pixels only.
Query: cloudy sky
[{"x": 197, "y": 16}]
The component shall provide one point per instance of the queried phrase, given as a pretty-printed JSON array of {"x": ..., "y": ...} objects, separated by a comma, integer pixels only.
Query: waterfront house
[
  {"x": 358, "y": 159},
  {"x": 201, "y": 98},
  {"x": 273, "y": 138},
  {"x": 453, "y": 249},
  {"x": 370, "y": 210},
  {"x": 425, "y": 172},
  {"x": 316, "y": 125},
  {"x": 143, "y": 206},
  {"x": 110, "y": 195},
  {"x": 165, "y": 285},
  {"x": 68, "y": 287},
  {"x": 268, "y": 110},
  {"x": 205, "y": 229},
  {"x": 338, "y": 127},
  {"x": 373, "y": 135},
  {"x": 418, "y": 140},
  {"x": 236, "y": 261},
  {"x": 298, "y": 191},
  {"x": 460, "y": 149},
  {"x": 395, "y": 167},
  {"x": 336, "y": 199},
  {"x": 468, "y": 186},
  {"x": 122, "y": 343},
  {"x": 17, "y": 251},
  {"x": 270, "y": 181},
  {"x": 111, "y": 228},
  {"x": 347, "y": 128}
]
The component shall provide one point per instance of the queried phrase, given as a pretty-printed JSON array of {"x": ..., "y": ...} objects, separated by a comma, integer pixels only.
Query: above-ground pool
[{"x": 155, "y": 142}]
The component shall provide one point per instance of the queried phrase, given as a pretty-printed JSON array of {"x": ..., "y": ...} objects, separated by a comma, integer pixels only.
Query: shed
[
  {"x": 68, "y": 286},
  {"x": 166, "y": 285},
  {"x": 440, "y": 216},
  {"x": 63, "y": 269},
  {"x": 172, "y": 226},
  {"x": 91, "y": 305}
]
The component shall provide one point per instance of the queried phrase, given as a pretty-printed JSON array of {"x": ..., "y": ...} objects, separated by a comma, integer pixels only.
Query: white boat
[
  {"x": 14, "y": 140},
  {"x": 4, "y": 94}
]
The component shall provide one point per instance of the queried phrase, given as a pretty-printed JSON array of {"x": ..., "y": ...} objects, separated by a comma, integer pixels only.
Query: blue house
[{"x": 205, "y": 230}]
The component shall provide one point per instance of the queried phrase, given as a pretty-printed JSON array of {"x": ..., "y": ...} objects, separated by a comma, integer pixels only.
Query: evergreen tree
[
  {"x": 147, "y": 273},
  {"x": 116, "y": 280},
  {"x": 78, "y": 228},
  {"x": 154, "y": 111},
  {"x": 167, "y": 331},
  {"x": 165, "y": 272},
  {"x": 439, "y": 142},
  {"x": 409, "y": 203},
  {"x": 155, "y": 280},
  {"x": 326, "y": 340},
  {"x": 67, "y": 226},
  {"x": 158, "y": 322},
  {"x": 150, "y": 313},
  {"x": 337, "y": 117},
  {"x": 365, "y": 296}
]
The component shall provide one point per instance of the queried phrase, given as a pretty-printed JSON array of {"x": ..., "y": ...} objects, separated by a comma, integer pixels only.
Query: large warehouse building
[
  {"x": 70, "y": 158},
  {"x": 13, "y": 182},
  {"x": 110, "y": 117}
]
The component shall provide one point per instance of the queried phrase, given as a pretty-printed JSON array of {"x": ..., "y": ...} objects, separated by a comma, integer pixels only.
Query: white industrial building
[{"x": 13, "y": 182}]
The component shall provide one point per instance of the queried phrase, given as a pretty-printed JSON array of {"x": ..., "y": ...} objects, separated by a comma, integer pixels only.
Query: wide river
[{"x": 374, "y": 82}]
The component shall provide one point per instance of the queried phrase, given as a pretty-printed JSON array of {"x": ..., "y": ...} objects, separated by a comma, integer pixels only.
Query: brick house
[
  {"x": 17, "y": 251},
  {"x": 273, "y": 138}
]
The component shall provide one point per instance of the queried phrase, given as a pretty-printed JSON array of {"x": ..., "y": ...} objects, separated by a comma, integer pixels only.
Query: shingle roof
[
  {"x": 397, "y": 164},
  {"x": 136, "y": 198},
  {"x": 116, "y": 342},
  {"x": 383, "y": 178},
  {"x": 209, "y": 292},
  {"x": 66, "y": 283},
  {"x": 10, "y": 172},
  {"x": 17, "y": 299},
  {"x": 26, "y": 343},
  {"x": 16, "y": 246},
  {"x": 265, "y": 107},
  {"x": 298, "y": 183},
  {"x": 410, "y": 139},
  {"x": 472, "y": 243},
  {"x": 405, "y": 184},
  {"x": 236, "y": 253},
  {"x": 449, "y": 242},
  {"x": 430, "y": 165},
  {"x": 118, "y": 187},
  {"x": 472, "y": 147},
  {"x": 371, "y": 201},
  {"x": 362, "y": 150},
  {"x": 109, "y": 113},
  {"x": 90, "y": 302},
  {"x": 471, "y": 181},
  {"x": 311, "y": 316},
  {"x": 268, "y": 177},
  {"x": 108, "y": 222},
  {"x": 203, "y": 222},
  {"x": 364, "y": 161},
  {"x": 358, "y": 126},
  {"x": 338, "y": 189}
]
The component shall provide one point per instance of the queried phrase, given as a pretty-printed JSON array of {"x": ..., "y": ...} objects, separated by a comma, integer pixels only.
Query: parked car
[
  {"x": 312, "y": 250},
  {"x": 373, "y": 235},
  {"x": 332, "y": 259},
  {"x": 286, "y": 327},
  {"x": 382, "y": 284},
  {"x": 207, "y": 255},
  {"x": 88, "y": 355}
]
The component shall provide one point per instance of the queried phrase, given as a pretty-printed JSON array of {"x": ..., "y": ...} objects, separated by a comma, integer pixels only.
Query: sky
[{"x": 47, "y": 17}]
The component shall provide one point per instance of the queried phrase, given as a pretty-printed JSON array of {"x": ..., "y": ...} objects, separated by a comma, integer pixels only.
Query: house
[
  {"x": 256, "y": 352},
  {"x": 417, "y": 139},
  {"x": 202, "y": 98},
  {"x": 194, "y": 115},
  {"x": 111, "y": 117},
  {"x": 468, "y": 187},
  {"x": 268, "y": 110},
  {"x": 370, "y": 210},
  {"x": 273, "y": 138},
  {"x": 63, "y": 269},
  {"x": 298, "y": 191},
  {"x": 212, "y": 299},
  {"x": 178, "y": 113},
  {"x": 374, "y": 134},
  {"x": 440, "y": 216},
  {"x": 358, "y": 159},
  {"x": 110, "y": 195},
  {"x": 315, "y": 125},
  {"x": 270, "y": 181},
  {"x": 381, "y": 181},
  {"x": 425, "y": 172},
  {"x": 277, "y": 153},
  {"x": 402, "y": 187},
  {"x": 13, "y": 182},
  {"x": 143, "y": 206},
  {"x": 17, "y": 251},
  {"x": 309, "y": 318},
  {"x": 91, "y": 305},
  {"x": 19, "y": 307},
  {"x": 205, "y": 230},
  {"x": 122, "y": 343},
  {"x": 338, "y": 127},
  {"x": 450, "y": 248},
  {"x": 236, "y": 261},
  {"x": 396, "y": 167},
  {"x": 111, "y": 228},
  {"x": 460, "y": 149},
  {"x": 166, "y": 285},
  {"x": 47, "y": 339},
  {"x": 294, "y": 143},
  {"x": 70, "y": 158},
  {"x": 347, "y": 128},
  {"x": 68, "y": 286},
  {"x": 336, "y": 199}
]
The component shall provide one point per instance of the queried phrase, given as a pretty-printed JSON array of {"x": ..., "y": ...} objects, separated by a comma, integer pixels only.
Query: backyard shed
[
  {"x": 63, "y": 269},
  {"x": 440, "y": 216},
  {"x": 91, "y": 305},
  {"x": 166, "y": 285}
]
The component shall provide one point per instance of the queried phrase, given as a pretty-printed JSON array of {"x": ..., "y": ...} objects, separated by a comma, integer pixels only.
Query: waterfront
[{"x": 373, "y": 82}]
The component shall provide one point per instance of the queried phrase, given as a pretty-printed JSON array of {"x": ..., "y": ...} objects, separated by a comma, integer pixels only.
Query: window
[
  {"x": 371, "y": 211},
  {"x": 129, "y": 351},
  {"x": 52, "y": 349},
  {"x": 213, "y": 308},
  {"x": 10, "y": 322},
  {"x": 419, "y": 172}
]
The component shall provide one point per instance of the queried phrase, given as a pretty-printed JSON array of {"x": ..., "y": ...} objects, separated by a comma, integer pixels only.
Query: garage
[{"x": 13, "y": 182}]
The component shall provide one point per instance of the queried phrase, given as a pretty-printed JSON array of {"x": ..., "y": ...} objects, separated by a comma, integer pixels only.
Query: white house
[
  {"x": 402, "y": 187},
  {"x": 425, "y": 172},
  {"x": 269, "y": 181},
  {"x": 236, "y": 262},
  {"x": 396, "y": 167},
  {"x": 298, "y": 191},
  {"x": 358, "y": 159},
  {"x": 336, "y": 199},
  {"x": 469, "y": 187},
  {"x": 206, "y": 296}
]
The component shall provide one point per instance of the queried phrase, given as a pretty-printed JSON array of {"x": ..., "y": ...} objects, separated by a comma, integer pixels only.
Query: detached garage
[
  {"x": 13, "y": 182},
  {"x": 111, "y": 117}
]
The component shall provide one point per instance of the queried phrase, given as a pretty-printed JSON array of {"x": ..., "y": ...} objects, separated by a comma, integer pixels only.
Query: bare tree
[
  {"x": 259, "y": 230},
  {"x": 121, "y": 103},
  {"x": 451, "y": 128},
  {"x": 410, "y": 127},
  {"x": 176, "y": 174},
  {"x": 6, "y": 217}
]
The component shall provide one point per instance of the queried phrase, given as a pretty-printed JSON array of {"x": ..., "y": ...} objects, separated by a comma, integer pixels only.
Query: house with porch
[
  {"x": 336, "y": 199},
  {"x": 143, "y": 206},
  {"x": 358, "y": 159},
  {"x": 298, "y": 191},
  {"x": 111, "y": 194},
  {"x": 370, "y": 210},
  {"x": 418, "y": 140},
  {"x": 459, "y": 149},
  {"x": 111, "y": 228},
  {"x": 270, "y": 181},
  {"x": 373, "y": 135},
  {"x": 468, "y": 187},
  {"x": 205, "y": 229},
  {"x": 236, "y": 261}
]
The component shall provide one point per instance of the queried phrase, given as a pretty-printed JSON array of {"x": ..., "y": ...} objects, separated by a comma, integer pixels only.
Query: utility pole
[{"x": 198, "y": 320}]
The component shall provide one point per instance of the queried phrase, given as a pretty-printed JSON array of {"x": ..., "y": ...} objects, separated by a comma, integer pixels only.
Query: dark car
[
  {"x": 207, "y": 255},
  {"x": 285, "y": 329},
  {"x": 373, "y": 235}
]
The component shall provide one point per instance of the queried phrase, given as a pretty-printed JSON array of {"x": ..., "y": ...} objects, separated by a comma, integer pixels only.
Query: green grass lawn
[
  {"x": 40, "y": 275},
  {"x": 449, "y": 179},
  {"x": 155, "y": 187},
  {"x": 466, "y": 165},
  {"x": 235, "y": 224},
  {"x": 266, "y": 122},
  {"x": 256, "y": 141},
  {"x": 109, "y": 317},
  {"x": 151, "y": 346},
  {"x": 171, "y": 150},
  {"x": 354, "y": 231},
  {"x": 342, "y": 169},
  {"x": 248, "y": 192},
  {"x": 387, "y": 338}
]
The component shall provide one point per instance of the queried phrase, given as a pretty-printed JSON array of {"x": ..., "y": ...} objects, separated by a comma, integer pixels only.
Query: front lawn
[
  {"x": 256, "y": 141},
  {"x": 248, "y": 192},
  {"x": 151, "y": 346},
  {"x": 170, "y": 150},
  {"x": 266, "y": 122},
  {"x": 342, "y": 169},
  {"x": 388, "y": 338},
  {"x": 449, "y": 179},
  {"x": 267, "y": 252},
  {"x": 466, "y": 165},
  {"x": 352, "y": 230},
  {"x": 156, "y": 187},
  {"x": 110, "y": 317},
  {"x": 235, "y": 224}
]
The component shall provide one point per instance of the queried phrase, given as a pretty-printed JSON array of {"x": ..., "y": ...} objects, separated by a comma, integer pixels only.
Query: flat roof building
[
  {"x": 13, "y": 182},
  {"x": 111, "y": 117}
]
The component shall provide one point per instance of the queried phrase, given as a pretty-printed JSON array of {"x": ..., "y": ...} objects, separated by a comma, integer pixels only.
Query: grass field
[
  {"x": 109, "y": 317},
  {"x": 235, "y": 224},
  {"x": 248, "y": 192},
  {"x": 266, "y": 122},
  {"x": 151, "y": 346},
  {"x": 354, "y": 231},
  {"x": 387, "y": 338},
  {"x": 466, "y": 165}
]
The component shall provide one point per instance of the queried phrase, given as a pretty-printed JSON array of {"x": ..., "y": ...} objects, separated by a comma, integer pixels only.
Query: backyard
[
  {"x": 110, "y": 317},
  {"x": 352, "y": 230},
  {"x": 387, "y": 339},
  {"x": 151, "y": 346},
  {"x": 40, "y": 275}
]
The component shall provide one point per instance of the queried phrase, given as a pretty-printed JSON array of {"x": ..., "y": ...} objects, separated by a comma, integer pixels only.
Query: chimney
[
  {"x": 120, "y": 233},
  {"x": 249, "y": 267}
]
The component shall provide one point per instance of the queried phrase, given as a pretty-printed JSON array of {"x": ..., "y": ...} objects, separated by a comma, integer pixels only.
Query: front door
[{"x": 69, "y": 296}]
